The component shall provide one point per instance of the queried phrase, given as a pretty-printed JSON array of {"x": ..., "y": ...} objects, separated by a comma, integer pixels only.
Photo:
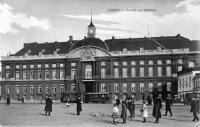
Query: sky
[{"x": 26, "y": 21}]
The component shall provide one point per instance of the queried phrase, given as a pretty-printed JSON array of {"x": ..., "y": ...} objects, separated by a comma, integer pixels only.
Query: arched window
[
  {"x": 191, "y": 64},
  {"x": 88, "y": 71}
]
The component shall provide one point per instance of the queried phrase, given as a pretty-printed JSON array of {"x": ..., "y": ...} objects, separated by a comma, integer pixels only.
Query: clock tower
[{"x": 91, "y": 30}]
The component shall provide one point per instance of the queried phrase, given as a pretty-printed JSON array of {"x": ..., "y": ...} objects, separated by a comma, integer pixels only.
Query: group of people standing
[{"x": 129, "y": 104}]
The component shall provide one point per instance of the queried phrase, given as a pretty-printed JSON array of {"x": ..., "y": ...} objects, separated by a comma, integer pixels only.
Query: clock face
[{"x": 90, "y": 31}]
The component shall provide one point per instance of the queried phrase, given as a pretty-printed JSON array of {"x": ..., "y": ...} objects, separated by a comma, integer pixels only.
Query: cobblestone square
[{"x": 29, "y": 114}]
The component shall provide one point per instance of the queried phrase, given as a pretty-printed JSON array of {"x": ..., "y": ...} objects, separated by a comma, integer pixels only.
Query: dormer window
[
  {"x": 40, "y": 53},
  {"x": 43, "y": 50},
  {"x": 124, "y": 50},
  {"x": 141, "y": 49},
  {"x": 29, "y": 51}
]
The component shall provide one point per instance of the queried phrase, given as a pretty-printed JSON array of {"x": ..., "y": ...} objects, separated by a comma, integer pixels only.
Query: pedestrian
[
  {"x": 67, "y": 104},
  {"x": 22, "y": 100},
  {"x": 124, "y": 112},
  {"x": 168, "y": 106},
  {"x": 144, "y": 111},
  {"x": 48, "y": 106},
  {"x": 117, "y": 102},
  {"x": 194, "y": 109},
  {"x": 156, "y": 109},
  {"x": 79, "y": 106},
  {"x": 130, "y": 107},
  {"x": 115, "y": 114},
  {"x": 198, "y": 105},
  {"x": 8, "y": 100}
]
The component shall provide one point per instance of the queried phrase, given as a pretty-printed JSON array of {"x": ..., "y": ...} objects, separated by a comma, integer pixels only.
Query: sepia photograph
[{"x": 99, "y": 63}]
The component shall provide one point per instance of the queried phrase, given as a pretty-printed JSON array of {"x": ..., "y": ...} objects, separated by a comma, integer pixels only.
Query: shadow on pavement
[
  {"x": 71, "y": 113},
  {"x": 42, "y": 114}
]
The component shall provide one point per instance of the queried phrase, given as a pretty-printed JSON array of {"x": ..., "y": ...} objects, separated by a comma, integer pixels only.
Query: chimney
[
  {"x": 70, "y": 38},
  {"x": 113, "y": 37},
  {"x": 25, "y": 44}
]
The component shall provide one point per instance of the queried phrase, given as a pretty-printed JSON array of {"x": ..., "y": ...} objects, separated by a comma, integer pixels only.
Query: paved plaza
[{"x": 32, "y": 114}]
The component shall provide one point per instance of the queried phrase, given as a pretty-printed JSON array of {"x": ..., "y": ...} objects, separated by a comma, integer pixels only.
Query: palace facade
[{"x": 119, "y": 67}]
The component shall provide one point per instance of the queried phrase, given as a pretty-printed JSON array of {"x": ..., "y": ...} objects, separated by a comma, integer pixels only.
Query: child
[
  {"x": 144, "y": 112},
  {"x": 115, "y": 113},
  {"x": 123, "y": 112},
  {"x": 67, "y": 104}
]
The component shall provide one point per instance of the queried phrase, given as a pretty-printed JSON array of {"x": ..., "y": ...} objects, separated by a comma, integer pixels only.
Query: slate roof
[{"x": 170, "y": 42}]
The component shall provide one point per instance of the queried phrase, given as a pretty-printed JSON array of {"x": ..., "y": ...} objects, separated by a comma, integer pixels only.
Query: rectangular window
[
  {"x": 141, "y": 71},
  {"x": 150, "y": 71},
  {"x": 54, "y": 88},
  {"x": 46, "y": 88},
  {"x": 73, "y": 64},
  {"x": 150, "y": 62},
  {"x": 0, "y": 90},
  {"x": 17, "y": 66},
  {"x": 61, "y": 88},
  {"x": 47, "y": 75},
  {"x": 39, "y": 74},
  {"x": 159, "y": 86},
  {"x": 39, "y": 89},
  {"x": 32, "y": 74},
  {"x": 61, "y": 74},
  {"x": 103, "y": 87},
  {"x": 142, "y": 62},
  {"x": 53, "y": 65},
  {"x": 103, "y": 72},
  {"x": 168, "y": 61},
  {"x": 159, "y": 71},
  {"x": 8, "y": 75},
  {"x": 17, "y": 89},
  {"x": 116, "y": 87},
  {"x": 32, "y": 89},
  {"x": 61, "y": 65},
  {"x": 168, "y": 71},
  {"x": 133, "y": 87},
  {"x": 133, "y": 72},
  {"x": 24, "y": 75},
  {"x": 24, "y": 66},
  {"x": 39, "y": 66},
  {"x": 24, "y": 88},
  {"x": 180, "y": 61},
  {"x": 150, "y": 87},
  {"x": 159, "y": 62},
  {"x": 116, "y": 72},
  {"x": 116, "y": 63},
  {"x": 124, "y": 87},
  {"x": 17, "y": 75},
  {"x": 168, "y": 86},
  {"x": 73, "y": 87},
  {"x": 180, "y": 68},
  {"x": 103, "y": 63},
  {"x": 7, "y": 66},
  {"x": 46, "y": 65},
  {"x": 141, "y": 87},
  {"x": 7, "y": 89},
  {"x": 73, "y": 73},
  {"x": 124, "y": 63},
  {"x": 53, "y": 74},
  {"x": 31, "y": 66},
  {"x": 124, "y": 71},
  {"x": 133, "y": 63}
]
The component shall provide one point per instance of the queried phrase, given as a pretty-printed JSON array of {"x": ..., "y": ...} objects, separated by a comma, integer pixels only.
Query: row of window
[
  {"x": 133, "y": 87},
  {"x": 36, "y": 89},
  {"x": 33, "y": 74},
  {"x": 24, "y": 66}
]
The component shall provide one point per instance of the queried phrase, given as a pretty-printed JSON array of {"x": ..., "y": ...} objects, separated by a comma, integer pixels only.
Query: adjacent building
[{"x": 119, "y": 67}]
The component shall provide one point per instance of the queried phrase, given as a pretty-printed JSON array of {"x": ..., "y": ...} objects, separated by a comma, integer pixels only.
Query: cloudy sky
[{"x": 23, "y": 21}]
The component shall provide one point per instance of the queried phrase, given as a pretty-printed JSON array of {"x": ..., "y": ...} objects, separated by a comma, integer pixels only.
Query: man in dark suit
[
  {"x": 194, "y": 109},
  {"x": 48, "y": 106},
  {"x": 79, "y": 106},
  {"x": 168, "y": 106}
]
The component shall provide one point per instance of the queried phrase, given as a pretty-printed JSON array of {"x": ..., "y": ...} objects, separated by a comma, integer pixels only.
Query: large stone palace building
[{"x": 119, "y": 67}]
